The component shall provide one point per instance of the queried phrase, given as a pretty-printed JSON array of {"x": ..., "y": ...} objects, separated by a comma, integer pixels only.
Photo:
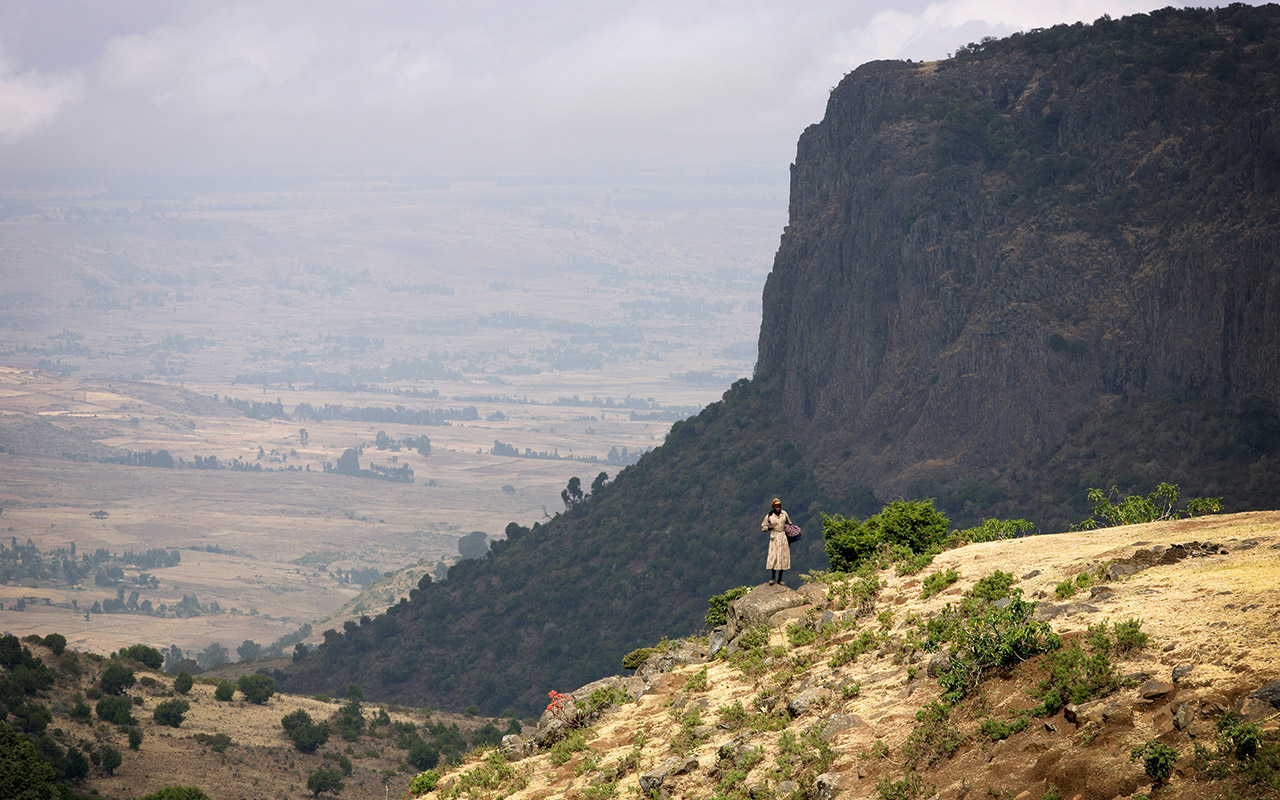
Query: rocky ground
[{"x": 820, "y": 691}]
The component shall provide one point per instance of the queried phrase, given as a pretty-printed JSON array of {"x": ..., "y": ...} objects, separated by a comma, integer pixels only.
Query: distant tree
[
  {"x": 422, "y": 755},
  {"x": 135, "y": 738},
  {"x": 249, "y": 650},
  {"x": 381, "y": 440},
  {"x": 109, "y": 759},
  {"x": 56, "y": 643},
  {"x": 599, "y": 482},
  {"x": 303, "y": 436},
  {"x": 147, "y": 656},
  {"x": 348, "y": 462},
  {"x": 572, "y": 493},
  {"x": 99, "y": 514},
  {"x": 299, "y": 651},
  {"x": 115, "y": 709},
  {"x": 473, "y": 545},
  {"x": 215, "y": 655},
  {"x": 306, "y": 734},
  {"x": 183, "y": 683},
  {"x": 171, "y": 712},
  {"x": 257, "y": 688},
  {"x": 324, "y": 779},
  {"x": 116, "y": 678},
  {"x": 171, "y": 657}
]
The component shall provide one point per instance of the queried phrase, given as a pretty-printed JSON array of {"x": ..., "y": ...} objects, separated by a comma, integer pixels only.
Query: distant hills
[{"x": 1048, "y": 263}]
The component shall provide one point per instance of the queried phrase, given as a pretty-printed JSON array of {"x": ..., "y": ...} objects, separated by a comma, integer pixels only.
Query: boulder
[
  {"x": 788, "y": 788},
  {"x": 1252, "y": 709},
  {"x": 576, "y": 711},
  {"x": 1154, "y": 689},
  {"x": 828, "y": 785},
  {"x": 1184, "y": 716},
  {"x": 677, "y": 655},
  {"x": 807, "y": 700},
  {"x": 1181, "y": 671},
  {"x": 515, "y": 746},
  {"x": 717, "y": 640},
  {"x": 756, "y": 606},
  {"x": 837, "y": 724},
  {"x": 938, "y": 664},
  {"x": 815, "y": 594},
  {"x": 786, "y": 617},
  {"x": 652, "y": 780},
  {"x": 1268, "y": 693}
]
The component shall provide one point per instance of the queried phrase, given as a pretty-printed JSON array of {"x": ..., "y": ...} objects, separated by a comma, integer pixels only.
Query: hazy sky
[{"x": 177, "y": 86}]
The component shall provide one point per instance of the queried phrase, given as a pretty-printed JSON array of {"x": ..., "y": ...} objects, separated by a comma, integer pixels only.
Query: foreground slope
[{"x": 809, "y": 726}]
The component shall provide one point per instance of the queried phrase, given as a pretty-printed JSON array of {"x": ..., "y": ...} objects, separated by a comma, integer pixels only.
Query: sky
[{"x": 183, "y": 87}]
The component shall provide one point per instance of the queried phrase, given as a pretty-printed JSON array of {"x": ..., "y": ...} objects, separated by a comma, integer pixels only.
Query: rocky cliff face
[{"x": 983, "y": 252}]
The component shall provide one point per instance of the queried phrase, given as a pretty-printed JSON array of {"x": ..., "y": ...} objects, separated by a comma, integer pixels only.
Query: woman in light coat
[{"x": 779, "y": 560}]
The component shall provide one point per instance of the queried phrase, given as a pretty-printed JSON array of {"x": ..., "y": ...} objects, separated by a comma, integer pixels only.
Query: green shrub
[
  {"x": 116, "y": 709},
  {"x": 257, "y": 688},
  {"x": 1075, "y": 677},
  {"x": 992, "y": 530},
  {"x": 718, "y": 606},
  {"x": 936, "y": 582},
  {"x": 697, "y": 682},
  {"x": 994, "y": 639},
  {"x": 217, "y": 742},
  {"x": 1065, "y": 589},
  {"x": 176, "y": 793},
  {"x": 116, "y": 678},
  {"x": 1157, "y": 758},
  {"x": 1112, "y": 508},
  {"x": 564, "y": 749},
  {"x": 915, "y": 524},
  {"x": 183, "y": 683},
  {"x": 1238, "y": 738},
  {"x": 307, "y": 736},
  {"x": 324, "y": 779},
  {"x": 933, "y": 739},
  {"x": 56, "y": 642},
  {"x": 992, "y": 587},
  {"x": 171, "y": 712},
  {"x": 1129, "y": 637},
  {"x": 135, "y": 738},
  {"x": 996, "y": 730},
  {"x": 109, "y": 759},
  {"x": 850, "y": 651},
  {"x": 144, "y": 655},
  {"x": 224, "y": 691},
  {"x": 635, "y": 658},
  {"x": 424, "y": 782}
]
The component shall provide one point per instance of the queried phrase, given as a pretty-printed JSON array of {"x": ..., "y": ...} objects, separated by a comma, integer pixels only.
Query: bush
[
  {"x": 257, "y": 688},
  {"x": 171, "y": 712},
  {"x": 324, "y": 779},
  {"x": 56, "y": 643},
  {"x": 936, "y": 582},
  {"x": 307, "y": 736},
  {"x": 224, "y": 691},
  {"x": 1129, "y": 637},
  {"x": 424, "y": 782},
  {"x": 635, "y": 658},
  {"x": 915, "y": 524},
  {"x": 116, "y": 709},
  {"x": 995, "y": 639},
  {"x": 423, "y": 755},
  {"x": 1075, "y": 677},
  {"x": 109, "y": 759},
  {"x": 993, "y": 587},
  {"x": 116, "y": 678},
  {"x": 144, "y": 655},
  {"x": 992, "y": 530},
  {"x": 1157, "y": 758},
  {"x": 135, "y": 738},
  {"x": 718, "y": 606},
  {"x": 183, "y": 683}
]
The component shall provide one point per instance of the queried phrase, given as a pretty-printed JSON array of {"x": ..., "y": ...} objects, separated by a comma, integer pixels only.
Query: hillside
[
  {"x": 59, "y": 701},
  {"x": 1047, "y": 262},
  {"x": 837, "y": 697},
  {"x": 999, "y": 288}
]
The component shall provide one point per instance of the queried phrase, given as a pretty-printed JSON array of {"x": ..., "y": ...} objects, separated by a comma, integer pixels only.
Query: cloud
[{"x": 32, "y": 99}]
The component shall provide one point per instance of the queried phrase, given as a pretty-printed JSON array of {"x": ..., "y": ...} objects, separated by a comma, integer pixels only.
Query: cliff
[{"x": 986, "y": 254}]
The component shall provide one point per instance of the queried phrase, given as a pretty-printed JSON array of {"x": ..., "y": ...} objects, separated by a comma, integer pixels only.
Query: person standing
[{"x": 779, "y": 560}]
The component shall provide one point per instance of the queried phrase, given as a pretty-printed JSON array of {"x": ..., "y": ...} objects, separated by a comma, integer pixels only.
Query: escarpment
[{"x": 987, "y": 253}]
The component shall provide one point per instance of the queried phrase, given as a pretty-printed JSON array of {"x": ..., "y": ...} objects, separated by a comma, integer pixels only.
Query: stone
[
  {"x": 732, "y": 749},
  {"x": 716, "y": 640},
  {"x": 787, "y": 788},
  {"x": 1154, "y": 689},
  {"x": 1181, "y": 671},
  {"x": 758, "y": 605},
  {"x": 1117, "y": 714},
  {"x": 828, "y": 618},
  {"x": 1101, "y": 592},
  {"x": 653, "y": 780},
  {"x": 807, "y": 700},
  {"x": 1003, "y": 603},
  {"x": 1204, "y": 729},
  {"x": 1168, "y": 648},
  {"x": 938, "y": 664},
  {"x": 1184, "y": 716},
  {"x": 813, "y": 593},
  {"x": 1118, "y": 570},
  {"x": 1032, "y": 574},
  {"x": 786, "y": 617},
  {"x": 678, "y": 655},
  {"x": 1252, "y": 709},
  {"x": 837, "y": 724},
  {"x": 514, "y": 746},
  {"x": 1268, "y": 693},
  {"x": 828, "y": 785},
  {"x": 1134, "y": 678}
]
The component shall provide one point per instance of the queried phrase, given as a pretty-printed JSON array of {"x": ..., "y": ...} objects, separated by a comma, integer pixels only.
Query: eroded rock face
[{"x": 933, "y": 299}]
